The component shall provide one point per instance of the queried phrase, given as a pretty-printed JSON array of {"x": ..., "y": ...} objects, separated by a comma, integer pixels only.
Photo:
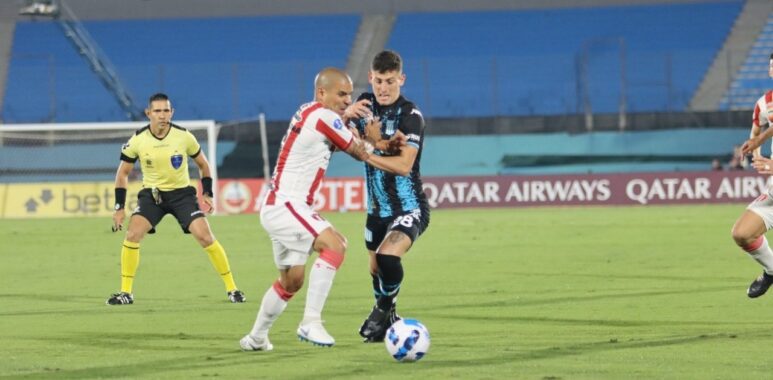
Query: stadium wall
[
  {"x": 243, "y": 196},
  {"x": 555, "y": 153}
]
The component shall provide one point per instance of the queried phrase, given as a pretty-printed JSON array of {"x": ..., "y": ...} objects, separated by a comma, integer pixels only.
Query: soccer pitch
[{"x": 539, "y": 293}]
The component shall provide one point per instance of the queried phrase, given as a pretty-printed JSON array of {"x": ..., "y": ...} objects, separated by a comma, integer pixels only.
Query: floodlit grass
[{"x": 540, "y": 293}]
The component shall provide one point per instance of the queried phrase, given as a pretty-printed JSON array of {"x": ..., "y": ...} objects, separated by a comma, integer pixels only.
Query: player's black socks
[
  {"x": 376, "y": 286},
  {"x": 390, "y": 276}
]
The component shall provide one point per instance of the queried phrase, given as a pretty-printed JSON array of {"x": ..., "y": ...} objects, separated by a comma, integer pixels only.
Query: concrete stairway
[
  {"x": 728, "y": 61},
  {"x": 372, "y": 36}
]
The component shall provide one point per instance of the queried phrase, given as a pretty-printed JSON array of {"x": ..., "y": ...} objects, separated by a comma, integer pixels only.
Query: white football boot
[
  {"x": 250, "y": 343},
  {"x": 315, "y": 333}
]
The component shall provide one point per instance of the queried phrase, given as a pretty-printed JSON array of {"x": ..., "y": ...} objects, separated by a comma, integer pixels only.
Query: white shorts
[
  {"x": 763, "y": 206},
  {"x": 292, "y": 226}
]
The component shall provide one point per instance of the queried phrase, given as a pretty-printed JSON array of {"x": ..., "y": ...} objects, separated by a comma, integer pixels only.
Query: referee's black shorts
[{"x": 182, "y": 203}]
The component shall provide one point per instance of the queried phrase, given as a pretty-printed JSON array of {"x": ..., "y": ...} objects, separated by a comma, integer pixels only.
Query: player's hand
[
  {"x": 750, "y": 145},
  {"x": 358, "y": 110},
  {"x": 373, "y": 131},
  {"x": 394, "y": 145},
  {"x": 208, "y": 202},
  {"x": 763, "y": 165},
  {"x": 118, "y": 217}
]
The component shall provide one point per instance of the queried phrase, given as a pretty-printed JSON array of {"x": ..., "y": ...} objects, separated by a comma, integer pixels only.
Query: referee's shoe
[
  {"x": 120, "y": 298},
  {"x": 236, "y": 296}
]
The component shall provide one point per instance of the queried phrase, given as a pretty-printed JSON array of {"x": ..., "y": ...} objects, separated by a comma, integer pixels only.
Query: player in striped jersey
[
  {"x": 749, "y": 230},
  {"x": 397, "y": 207},
  {"x": 287, "y": 215}
]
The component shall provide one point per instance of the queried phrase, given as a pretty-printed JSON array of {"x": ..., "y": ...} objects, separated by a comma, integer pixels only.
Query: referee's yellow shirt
[{"x": 164, "y": 162}]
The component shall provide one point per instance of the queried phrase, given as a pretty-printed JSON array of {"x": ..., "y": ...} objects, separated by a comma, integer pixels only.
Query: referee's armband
[
  {"x": 120, "y": 198},
  {"x": 206, "y": 186}
]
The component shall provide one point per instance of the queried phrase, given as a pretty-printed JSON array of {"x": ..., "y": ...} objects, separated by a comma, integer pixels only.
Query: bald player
[{"x": 295, "y": 229}]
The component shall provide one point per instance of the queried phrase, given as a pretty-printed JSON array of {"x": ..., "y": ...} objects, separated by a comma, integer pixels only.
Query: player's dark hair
[
  {"x": 157, "y": 96},
  {"x": 386, "y": 61},
  {"x": 771, "y": 56}
]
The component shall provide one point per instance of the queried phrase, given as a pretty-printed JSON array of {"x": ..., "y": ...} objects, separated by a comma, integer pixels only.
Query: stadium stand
[
  {"x": 485, "y": 71},
  {"x": 460, "y": 64},
  {"x": 524, "y": 62},
  {"x": 752, "y": 80},
  {"x": 239, "y": 68}
]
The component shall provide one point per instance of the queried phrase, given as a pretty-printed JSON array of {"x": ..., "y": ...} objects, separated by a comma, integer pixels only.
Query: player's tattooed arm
[
  {"x": 359, "y": 149},
  {"x": 374, "y": 137}
]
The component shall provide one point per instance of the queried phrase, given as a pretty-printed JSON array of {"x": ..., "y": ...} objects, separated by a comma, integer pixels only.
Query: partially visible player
[
  {"x": 163, "y": 149},
  {"x": 287, "y": 215},
  {"x": 397, "y": 206},
  {"x": 749, "y": 230}
]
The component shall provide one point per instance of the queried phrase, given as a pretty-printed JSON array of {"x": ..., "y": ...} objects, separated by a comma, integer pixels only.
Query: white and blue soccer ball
[{"x": 407, "y": 340}]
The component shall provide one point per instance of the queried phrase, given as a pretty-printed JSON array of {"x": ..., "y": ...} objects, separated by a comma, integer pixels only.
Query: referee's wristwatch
[{"x": 118, "y": 206}]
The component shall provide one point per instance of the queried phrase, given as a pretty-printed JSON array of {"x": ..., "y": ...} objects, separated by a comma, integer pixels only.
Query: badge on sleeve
[{"x": 337, "y": 124}]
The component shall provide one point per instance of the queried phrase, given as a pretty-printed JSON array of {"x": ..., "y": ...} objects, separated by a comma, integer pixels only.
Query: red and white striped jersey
[
  {"x": 763, "y": 110},
  {"x": 314, "y": 133}
]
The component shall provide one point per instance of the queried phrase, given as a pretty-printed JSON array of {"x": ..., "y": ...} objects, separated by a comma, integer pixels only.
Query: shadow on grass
[
  {"x": 517, "y": 302},
  {"x": 594, "y": 347},
  {"x": 93, "y": 305},
  {"x": 198, "y": 353}
]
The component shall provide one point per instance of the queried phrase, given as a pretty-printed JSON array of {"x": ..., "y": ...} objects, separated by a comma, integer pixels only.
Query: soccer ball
[{"x": 407, "y": 340}]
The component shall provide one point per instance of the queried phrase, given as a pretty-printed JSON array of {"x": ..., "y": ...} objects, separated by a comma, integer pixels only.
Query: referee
[{"x": 163, "y": 149}]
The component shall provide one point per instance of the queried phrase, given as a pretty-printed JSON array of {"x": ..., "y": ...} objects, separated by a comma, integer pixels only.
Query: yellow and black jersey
[{"x": 163, "y": 161}]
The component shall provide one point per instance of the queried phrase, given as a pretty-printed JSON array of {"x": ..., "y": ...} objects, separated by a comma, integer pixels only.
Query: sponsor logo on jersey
[
  {"x": 177, "y": 160},
  {"x": 416, "y": 112},
  {"x": 413, "y": 137}
]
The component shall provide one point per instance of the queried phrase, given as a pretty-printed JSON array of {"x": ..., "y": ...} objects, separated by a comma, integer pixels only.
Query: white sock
[
  {"x": 760, "y": 251},
  {"x": 273, "y": 304},
  {"x": 320, "y": 281}
]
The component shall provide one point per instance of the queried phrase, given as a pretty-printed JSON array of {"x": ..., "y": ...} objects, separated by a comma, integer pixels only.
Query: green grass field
[{"x": 541, "y": 293}]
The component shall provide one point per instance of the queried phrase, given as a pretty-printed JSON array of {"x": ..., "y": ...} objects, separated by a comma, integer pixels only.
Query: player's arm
[
  {"x": 405, "y": 143},
  {"x": 400, "y": 164},
  {"x": 373, "y": 136},
  {"x": 121, "y": 182},
  {"x": 755, "y": 131},
  {"x": 752, "y": 145},
  {"x": 359, "y": 149},
  {"x": 357, "y": 110},
  {"x": 206, "y": 180},
  {"x": 756, "y": 136}
]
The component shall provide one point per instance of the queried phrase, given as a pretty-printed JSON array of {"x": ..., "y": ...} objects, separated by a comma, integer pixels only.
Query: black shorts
[
  {"x": 182, "y": 203},
  {"x": 412, "y": 223}
]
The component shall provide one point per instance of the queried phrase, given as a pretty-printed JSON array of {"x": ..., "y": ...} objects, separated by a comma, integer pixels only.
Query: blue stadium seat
[
  {"x": 458, "y": 64},
  {"x": 752, "y": 79},
  {"x": 222, "y": 69},
  {"x": 525, "y": 62}
]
